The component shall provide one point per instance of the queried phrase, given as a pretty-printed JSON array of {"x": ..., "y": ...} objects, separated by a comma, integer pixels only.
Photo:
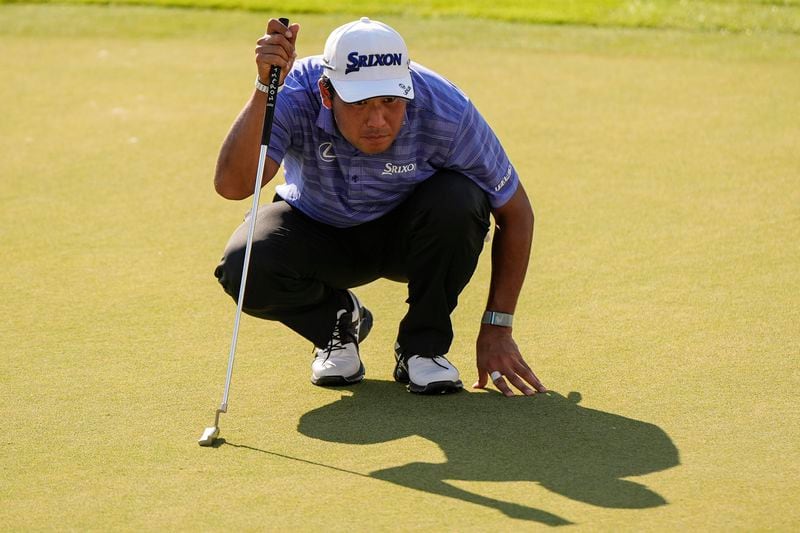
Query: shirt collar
[{"x": 325, "y": 121}]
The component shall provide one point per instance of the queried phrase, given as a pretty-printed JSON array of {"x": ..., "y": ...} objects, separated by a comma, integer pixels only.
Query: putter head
[{"x": 207, "y": 439}]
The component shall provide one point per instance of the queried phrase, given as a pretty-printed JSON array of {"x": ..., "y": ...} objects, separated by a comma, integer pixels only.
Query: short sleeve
[{"x": 477, "y": 153}]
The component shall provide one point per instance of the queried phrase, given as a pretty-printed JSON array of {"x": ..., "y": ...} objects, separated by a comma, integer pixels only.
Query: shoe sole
[
  {"x": 339, "y": 381},
  {"x": 436, "y": 387}
]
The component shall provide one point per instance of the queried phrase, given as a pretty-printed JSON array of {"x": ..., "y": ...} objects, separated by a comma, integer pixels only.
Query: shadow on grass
[
  {"x": 550, "y": 439},
  {"x": 220, "y": 441},
  {"x": 580, "y": 453}
]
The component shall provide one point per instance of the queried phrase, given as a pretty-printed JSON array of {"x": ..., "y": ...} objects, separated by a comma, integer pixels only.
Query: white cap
[{"x": 365, "y": 59}]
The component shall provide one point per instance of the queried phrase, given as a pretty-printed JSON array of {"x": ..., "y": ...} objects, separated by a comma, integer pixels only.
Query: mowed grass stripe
[{"x": 782, "y": 16}]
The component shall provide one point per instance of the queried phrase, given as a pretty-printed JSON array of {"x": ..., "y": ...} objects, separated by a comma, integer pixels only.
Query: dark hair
[{"x": 328, "y": 84}]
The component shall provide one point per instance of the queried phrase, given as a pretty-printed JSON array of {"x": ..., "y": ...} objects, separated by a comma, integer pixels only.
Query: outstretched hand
[{"x": 497, "y": 352}]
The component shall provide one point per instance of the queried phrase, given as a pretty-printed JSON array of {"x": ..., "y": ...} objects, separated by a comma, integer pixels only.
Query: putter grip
[{"x": 272, "y": 96}]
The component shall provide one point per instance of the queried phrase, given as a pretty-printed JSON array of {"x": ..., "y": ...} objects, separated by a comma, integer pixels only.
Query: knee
[
  {"x": 271, "y": 276},
  {"x": 229, "y": 270},
  {"x": 263, "y": 285}
]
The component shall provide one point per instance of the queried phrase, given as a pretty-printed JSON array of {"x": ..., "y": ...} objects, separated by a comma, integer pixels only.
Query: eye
[{"x": 390, "y": 100}]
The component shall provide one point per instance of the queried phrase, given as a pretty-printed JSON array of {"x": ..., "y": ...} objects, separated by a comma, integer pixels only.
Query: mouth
[
  {"x": 375, "y": 138},
  {"x": 376, "y": 142}
]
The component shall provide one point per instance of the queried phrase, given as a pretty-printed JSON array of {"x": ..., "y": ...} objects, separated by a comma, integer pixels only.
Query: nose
[{"x": 376, "y": 116}]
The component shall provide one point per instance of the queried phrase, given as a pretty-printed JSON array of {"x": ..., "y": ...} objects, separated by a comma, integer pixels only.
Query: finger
[
  {"x": 276, "y": 26},
  {"x": 527, "y": 374},
  {"x": 538, "y": 385},
  {"x": 272, "y": 52},
  {"x": 277, "y": 40},
  {"x": 272, "y": 55},
  {"x": 483, "y": 377},
  {"x": 503, "y": 387},
  {"x": 294, "y": 29},
  {"x": 519, "y": 383}
]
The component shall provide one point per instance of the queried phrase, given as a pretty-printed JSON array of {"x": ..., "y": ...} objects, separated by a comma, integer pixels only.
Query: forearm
[
  {"x": 237, "y": 163},
  {"x": 496, "y": 352},
  {"x": 511, "y": 250}
]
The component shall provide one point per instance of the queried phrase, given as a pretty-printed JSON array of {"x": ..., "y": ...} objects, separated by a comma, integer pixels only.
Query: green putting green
[{"x": 661, "y": 305}]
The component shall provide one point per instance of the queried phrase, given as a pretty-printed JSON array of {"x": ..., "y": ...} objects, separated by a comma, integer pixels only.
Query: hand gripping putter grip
[{"x": 211, "y": 433}]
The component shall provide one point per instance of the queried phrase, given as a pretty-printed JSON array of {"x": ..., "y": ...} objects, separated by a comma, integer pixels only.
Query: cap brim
[{"x": 355, "y": 91}]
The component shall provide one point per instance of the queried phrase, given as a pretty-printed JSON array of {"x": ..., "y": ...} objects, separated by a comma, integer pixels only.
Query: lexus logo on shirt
[{"x": 326, "y": 152}]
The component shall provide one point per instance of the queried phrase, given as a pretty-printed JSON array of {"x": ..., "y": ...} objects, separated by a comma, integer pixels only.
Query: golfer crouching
[{"x": 391, "y": 173}]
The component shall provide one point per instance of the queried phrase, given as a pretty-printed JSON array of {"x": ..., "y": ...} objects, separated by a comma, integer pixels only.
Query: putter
[{"x": 211, "y": 433}]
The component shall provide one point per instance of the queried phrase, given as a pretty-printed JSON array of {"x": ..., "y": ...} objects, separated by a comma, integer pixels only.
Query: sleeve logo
[{"x": 504, "y": 180}]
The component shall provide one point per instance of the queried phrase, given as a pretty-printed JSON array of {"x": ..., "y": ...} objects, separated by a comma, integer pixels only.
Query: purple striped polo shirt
[{"x": 331, "y": 181}]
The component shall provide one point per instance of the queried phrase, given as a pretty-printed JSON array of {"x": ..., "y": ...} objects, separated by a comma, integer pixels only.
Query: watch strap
[
  {"x": 265, "y": 88},
  {"x": 496, "y": 318}
]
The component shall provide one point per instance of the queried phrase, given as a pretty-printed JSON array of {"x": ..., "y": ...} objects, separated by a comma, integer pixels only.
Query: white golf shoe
[
  {"x": 338, "y": 363},
  {"x": 426, "y": 375}
]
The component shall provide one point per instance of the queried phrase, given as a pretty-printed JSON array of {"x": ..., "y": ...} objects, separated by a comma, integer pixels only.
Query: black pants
[{"x": 300, "y": 268}]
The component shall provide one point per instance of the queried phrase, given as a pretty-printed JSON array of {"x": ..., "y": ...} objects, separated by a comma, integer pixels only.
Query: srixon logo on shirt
[
  {"x": 356, "y": 61},
  {"x": 390, "y": 170}
]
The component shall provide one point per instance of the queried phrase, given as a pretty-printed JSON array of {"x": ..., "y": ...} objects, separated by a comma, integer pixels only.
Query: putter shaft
[{"x": 269, "y": 113}]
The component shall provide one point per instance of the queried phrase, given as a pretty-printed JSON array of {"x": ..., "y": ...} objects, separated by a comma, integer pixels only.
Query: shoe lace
[
  {"x": 436, "y": 360},
  {"x": 342, "y": 334}
]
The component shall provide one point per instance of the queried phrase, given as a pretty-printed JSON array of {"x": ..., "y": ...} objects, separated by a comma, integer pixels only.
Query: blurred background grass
[{"x": 781, "y": 16}]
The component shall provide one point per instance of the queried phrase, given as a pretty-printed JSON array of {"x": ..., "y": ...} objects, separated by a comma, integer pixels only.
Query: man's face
[{"x": 370, "y": 125}]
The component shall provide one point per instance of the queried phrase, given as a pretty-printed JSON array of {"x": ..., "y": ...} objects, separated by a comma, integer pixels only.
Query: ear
[{"x": 327, "y": 101}]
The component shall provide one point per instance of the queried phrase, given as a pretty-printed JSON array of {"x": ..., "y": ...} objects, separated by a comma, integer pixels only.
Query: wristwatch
[
  {"x": 265, "y": 88},
  {"x": 496, "y": 318}
]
